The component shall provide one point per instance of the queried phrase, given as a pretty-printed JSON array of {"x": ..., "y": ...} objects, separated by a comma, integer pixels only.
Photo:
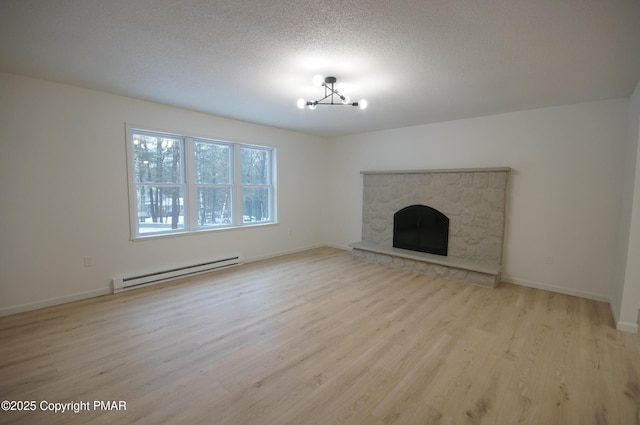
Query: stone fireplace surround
[{"x": 474, "y": 200}]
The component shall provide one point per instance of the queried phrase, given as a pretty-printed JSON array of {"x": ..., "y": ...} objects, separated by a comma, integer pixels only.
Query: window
[
  {"x": 184, "y": 184},
  {"x": 214, "y": 183},
  {"x": 255, "y": 166}
]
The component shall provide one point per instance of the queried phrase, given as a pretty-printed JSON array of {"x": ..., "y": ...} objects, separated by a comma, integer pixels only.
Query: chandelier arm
[
  {"x": 320, "y": 100},
  {"x": 333, "y": 92},
  {"x": 326, "y": 87},
  {"x": 334, "y": 104}
]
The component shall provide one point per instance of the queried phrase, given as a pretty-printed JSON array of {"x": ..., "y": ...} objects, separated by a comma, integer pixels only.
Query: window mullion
[
  {"x": 191, "y": 204},
  {"x": 237, "y": 187}
]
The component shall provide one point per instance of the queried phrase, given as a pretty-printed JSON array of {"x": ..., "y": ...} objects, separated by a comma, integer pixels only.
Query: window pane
[
  {"x": 213, "y": 163},
  {"x": 214, "y": 206},
  {"x": 157, "y": 159},
  {"x": 255, "y": 165},
  {"x": 160, "y": 208},
  {"x": 255, "y": 201}
]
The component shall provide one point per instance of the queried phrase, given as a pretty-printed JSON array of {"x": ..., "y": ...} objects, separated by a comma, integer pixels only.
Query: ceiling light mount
[
  {"x": 330, "y": 80},
  {"x": 330, "y": 95}
]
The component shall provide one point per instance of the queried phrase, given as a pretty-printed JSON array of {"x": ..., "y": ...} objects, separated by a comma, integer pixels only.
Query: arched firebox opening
[{"x": 421, "y": 228}]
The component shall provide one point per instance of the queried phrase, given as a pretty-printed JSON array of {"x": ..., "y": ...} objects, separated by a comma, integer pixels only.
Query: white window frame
[
  {"x": 190, "y": 201},
  {"x": 238, "y": 178}
]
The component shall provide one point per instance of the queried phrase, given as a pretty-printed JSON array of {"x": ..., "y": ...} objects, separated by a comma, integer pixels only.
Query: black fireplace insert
[{"x": 421, "y": 228}]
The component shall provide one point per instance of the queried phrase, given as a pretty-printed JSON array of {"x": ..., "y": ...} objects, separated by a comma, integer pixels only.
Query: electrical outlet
[
  {"x": 87, "y": 261},
  {"x": 549, "y": 259}
]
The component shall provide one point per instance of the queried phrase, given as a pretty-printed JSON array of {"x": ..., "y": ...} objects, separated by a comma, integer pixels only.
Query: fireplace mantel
[
  {"x": 442, "y": 170},
  {"x": 474, "y": 200}
]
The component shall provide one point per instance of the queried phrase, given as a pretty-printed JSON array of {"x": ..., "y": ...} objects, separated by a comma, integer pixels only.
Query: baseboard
[
  {"x": 627, "y": 327},
  {"x": 622, "y": 325},
  {"x": 6, "y": 311},
  {"x": 336, "y": 246},
  {"x": 557, "y": 289},
  {"x": 282, "y": 253}
]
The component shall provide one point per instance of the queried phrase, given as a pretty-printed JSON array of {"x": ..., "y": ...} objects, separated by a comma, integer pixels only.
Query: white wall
[
  {"x": 63, "y": 192},
  {"x": 627, "y": 294},
  {"x": 564, "y": 193}
]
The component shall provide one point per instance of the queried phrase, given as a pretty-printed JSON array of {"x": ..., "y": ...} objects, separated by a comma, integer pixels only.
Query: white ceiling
[{"x": 415, "y": 61}]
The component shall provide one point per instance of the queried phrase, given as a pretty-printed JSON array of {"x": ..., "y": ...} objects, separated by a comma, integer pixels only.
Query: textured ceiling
[{"x": 415, "y": 61}]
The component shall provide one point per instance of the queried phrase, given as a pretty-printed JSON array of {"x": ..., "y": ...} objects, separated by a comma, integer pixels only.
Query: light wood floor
[{"x": 321, "y": 338}]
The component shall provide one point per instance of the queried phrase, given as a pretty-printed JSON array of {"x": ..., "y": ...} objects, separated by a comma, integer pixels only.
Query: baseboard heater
[{"x": 126, "y": 283}]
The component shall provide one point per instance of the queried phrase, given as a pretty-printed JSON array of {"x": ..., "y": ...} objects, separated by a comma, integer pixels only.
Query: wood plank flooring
[{"x": 321, "y": 338}]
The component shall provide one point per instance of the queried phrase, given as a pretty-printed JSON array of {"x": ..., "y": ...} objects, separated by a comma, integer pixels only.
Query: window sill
[{"x": 155, "y": 236}]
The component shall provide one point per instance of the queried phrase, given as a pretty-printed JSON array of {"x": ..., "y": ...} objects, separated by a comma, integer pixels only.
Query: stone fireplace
[{"x": 471, "y": 201}]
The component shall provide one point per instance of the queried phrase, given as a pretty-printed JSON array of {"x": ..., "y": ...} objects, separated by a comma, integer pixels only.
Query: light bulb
[
  {"x": 346, "y": 100},
  {"x": 362, "y": 104},
  {"x": 313, "y": 106},
  {"x": 301, "y": 103},
  {"x": 318, "y": 80}
]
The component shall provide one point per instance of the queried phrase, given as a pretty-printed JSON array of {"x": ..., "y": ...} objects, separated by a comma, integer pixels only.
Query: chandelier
[{"x": 331, "y": 95}]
